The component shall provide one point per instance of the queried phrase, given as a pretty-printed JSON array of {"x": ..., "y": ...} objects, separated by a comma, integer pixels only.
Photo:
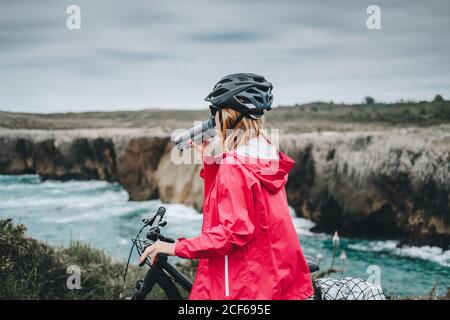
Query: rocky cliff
[
  {"x": 393, "y": 184},
  {"x": 375, "y": 184}
]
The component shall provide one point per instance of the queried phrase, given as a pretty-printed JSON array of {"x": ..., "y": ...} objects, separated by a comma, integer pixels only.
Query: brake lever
[
  {"x": 163, "y": 223},
  {"x": 148, "y": 221}
]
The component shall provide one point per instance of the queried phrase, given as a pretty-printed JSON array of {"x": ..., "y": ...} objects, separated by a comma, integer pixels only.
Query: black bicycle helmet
[{"x": 248, "y": 93}]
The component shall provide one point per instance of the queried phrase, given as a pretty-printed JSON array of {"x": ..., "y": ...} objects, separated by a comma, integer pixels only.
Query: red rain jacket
[{"x": 248, "y": 247}]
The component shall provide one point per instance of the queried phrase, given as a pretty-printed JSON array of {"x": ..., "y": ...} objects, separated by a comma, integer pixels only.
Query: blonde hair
[{"x": 241, "y": 134}]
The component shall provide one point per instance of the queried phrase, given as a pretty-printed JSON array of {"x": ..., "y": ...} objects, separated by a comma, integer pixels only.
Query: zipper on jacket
[{"x": 227, "y": 287}]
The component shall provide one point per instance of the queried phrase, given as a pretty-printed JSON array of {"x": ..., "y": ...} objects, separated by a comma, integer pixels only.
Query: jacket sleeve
[{"x": 236, "y": 218}]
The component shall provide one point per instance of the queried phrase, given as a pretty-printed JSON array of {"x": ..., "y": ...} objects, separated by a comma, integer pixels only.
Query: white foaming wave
[
  {"x": 73, "y": 186},
  {"x": 91, "y": 215},
  {"x": 303, "y": 226},
  {"x": 180, "y": 212},
  {"x": 375, "y": 246},
  {"x": 434, "y": 254},
  {"x": 55, "y": 184},
  {"x": 114, "y": 207},
  {"x": 85, "y": 185},
  {"x": 79, "y": 201},
  {"x": 16, "y": 187},
  {"x": 104, "y": 206},
  {"x": 60, "y": 195},
  {"x": 25, "y": 202}
]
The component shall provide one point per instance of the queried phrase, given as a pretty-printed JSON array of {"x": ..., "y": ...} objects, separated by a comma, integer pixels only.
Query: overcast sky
[{"x": 168, "y": 54}]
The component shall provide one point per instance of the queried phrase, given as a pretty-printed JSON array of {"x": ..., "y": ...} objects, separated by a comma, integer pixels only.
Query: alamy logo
[
  {"x": 374, "y": 272},
  {"x": 373, "y": 21},
  {"x": 73, "y": 21},
  {"x": 74, "y": 280}
]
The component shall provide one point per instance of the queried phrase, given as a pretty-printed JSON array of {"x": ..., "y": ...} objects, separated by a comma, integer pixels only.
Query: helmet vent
[
  {"x": 252, "y": 91},
  {"x": 260, "y": 80},
  {"x": 219, "y": 92},
  {"x": 224, "y": 81},
  {"x": 244, "y": 99}
]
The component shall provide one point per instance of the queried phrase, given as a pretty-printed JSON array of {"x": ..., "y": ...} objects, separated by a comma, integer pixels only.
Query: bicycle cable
[{"x": 128, "y": 261}]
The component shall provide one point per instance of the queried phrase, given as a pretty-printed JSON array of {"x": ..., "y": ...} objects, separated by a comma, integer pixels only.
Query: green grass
[
  {"x": 321, "y": 116},
  {"x": 30, "y": 269}
]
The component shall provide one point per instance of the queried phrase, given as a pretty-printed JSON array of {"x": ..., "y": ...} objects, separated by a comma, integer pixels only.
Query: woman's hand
[
  {"x": 157, "y": 248},
  {"x": 200, "y": 147}
]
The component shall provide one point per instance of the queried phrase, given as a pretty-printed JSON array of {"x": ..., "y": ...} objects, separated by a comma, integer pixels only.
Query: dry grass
[
  {"x": 310, "y": 117},
  {"x": 33, "y": 270}
]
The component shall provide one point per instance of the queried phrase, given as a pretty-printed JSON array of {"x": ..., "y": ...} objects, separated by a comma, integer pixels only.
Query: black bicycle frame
[{"x": 164, "y": 274}]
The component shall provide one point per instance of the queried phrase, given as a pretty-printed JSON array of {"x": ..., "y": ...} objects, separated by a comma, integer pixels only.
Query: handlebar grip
[
  {"x": 166, "y": 239},
  {"x": 161, "y": 211}
]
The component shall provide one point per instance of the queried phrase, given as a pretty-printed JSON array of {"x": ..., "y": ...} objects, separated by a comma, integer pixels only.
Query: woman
[{"x": 248, "y": 247}]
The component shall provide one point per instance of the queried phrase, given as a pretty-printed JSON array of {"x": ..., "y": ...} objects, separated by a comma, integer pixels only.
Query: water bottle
[{"x": 199, "y": 133}]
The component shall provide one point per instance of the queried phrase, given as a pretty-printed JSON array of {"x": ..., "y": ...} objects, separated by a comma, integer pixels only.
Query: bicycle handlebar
[
  {"x": 154, "y": 223},
  {"x": 158, "y": 215},
  {"x": 166, "y": 239}
]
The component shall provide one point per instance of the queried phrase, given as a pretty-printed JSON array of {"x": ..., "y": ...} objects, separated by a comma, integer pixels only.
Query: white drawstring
[{"x": 227, "y": 288}]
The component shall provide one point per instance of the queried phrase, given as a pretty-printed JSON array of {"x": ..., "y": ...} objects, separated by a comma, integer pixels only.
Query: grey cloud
[
  {"x": 228, "y": 36},
  {"x": 135, "y": 55},
  {"x": 129, "y": 55}
]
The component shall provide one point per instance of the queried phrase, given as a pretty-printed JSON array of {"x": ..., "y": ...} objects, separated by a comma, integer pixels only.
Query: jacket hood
[
  {"x": 272, "y": 173},
  {"x": 269, "y": 165}
]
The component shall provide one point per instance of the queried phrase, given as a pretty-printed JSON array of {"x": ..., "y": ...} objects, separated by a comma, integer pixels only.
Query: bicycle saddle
[{"x": 312, "y": 264}]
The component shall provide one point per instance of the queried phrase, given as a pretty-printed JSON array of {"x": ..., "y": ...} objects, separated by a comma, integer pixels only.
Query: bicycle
[{"x": 162, "y": 272}]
